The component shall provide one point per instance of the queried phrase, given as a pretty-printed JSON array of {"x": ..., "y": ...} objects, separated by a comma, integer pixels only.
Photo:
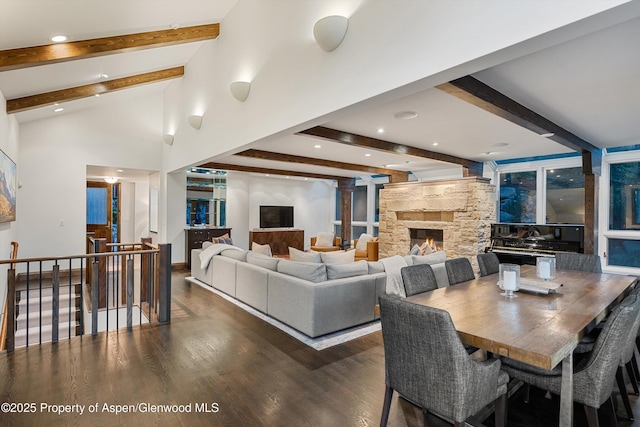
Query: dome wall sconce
[
  {"x": 330, "y": 31},
  {"x": 168, "y": 138},
  {"x": 240, "y": 90},
  {"x": 195, "y": 121}
]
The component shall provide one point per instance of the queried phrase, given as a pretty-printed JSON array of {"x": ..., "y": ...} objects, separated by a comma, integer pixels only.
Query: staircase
[{"x": 31, "y": 315}]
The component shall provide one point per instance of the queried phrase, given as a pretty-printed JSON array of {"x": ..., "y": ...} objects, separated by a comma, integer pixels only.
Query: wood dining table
[{"x": 538, "y": 329}]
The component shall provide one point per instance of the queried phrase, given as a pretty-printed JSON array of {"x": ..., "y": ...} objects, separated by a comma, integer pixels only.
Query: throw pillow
[
  {"x": 432, "y": 258},
  {"x": 302, "y": 256},
  {"x": 415, "y": 250},
  {"x": 362, "y": 241},
  {"x": 425, "y": 249},
  {"x": 338, "y": 257},
  {"x": 341, "y": 271},
  {"x": 262, "y": 260},
  {"x": 216, "y": 239},
  {"x": 310, "y": 271},
  {"x": 324, "y": 239},
  {"x": 261, "y": 249}
]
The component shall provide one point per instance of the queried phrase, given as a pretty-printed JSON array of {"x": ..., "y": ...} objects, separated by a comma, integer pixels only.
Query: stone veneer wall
[{"x": 464, "y": 209}]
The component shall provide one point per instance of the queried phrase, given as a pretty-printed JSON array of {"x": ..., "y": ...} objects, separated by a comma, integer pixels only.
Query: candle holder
[
  {"x": 546, "y": 268},
  {"x": 509, "y": 279}
]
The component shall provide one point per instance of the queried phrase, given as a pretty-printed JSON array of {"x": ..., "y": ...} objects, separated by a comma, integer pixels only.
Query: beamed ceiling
[{"x": 584, "y": 92}]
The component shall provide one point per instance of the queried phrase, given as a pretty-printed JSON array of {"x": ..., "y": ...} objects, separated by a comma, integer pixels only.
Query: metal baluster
[{"x": 55, "y": 318}]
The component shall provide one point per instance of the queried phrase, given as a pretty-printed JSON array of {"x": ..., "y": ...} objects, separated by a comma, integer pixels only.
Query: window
[
  {"x": 365, "y": 210},
  {"x": 624, "y": 253},
  {"x": 359, "y": 207},
  {"x": 518, "y": 197},
  {"x": 624, "y": 196},
  {"x": 565, "y": 196},
  {"x": 96, "y": 205}
]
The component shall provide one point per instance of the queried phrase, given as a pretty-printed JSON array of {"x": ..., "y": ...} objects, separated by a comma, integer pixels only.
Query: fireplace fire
[{"x": 426, "y": 237}]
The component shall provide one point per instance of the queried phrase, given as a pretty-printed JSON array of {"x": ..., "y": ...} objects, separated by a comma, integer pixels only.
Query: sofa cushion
[
  {"x": 340, "y": 271},
  {"x": 338, "y": 257},
  {"x": 235, "y": 254},
  {"x": 302, "y": 256},
  {"x": 432, "y": 258},
  {"x": 324, "y": 239},
  {"x": 311, "y": 271},
  {"x": 415, "y": 250},
  {"x": 375, "y": 267},
  {"x": 261, "y": 249},
  {"x": 262, "y": 260}
]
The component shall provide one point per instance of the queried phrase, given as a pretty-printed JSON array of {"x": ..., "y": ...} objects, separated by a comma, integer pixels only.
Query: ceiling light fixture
[
  {"x": 330, "y": 31},
  {"x": 59, "y": 109},
  {"x": 405, "y": 115},
  {"x": 317, "y": 146},
  {"x": 195, "y": 121},
  {"x": 103, "y": 75},
  {"x": 59, "y": 38},
  {"x": 367, "y": 155},
  {"x": 547, "y": 135},
  {"x": 380, "y": 130},
  {"x": 174, "y": 26},
  {"x": 110, "y": 179},
  {"x": 435, "y": 144},
  {"x": 240, "y": 90}
]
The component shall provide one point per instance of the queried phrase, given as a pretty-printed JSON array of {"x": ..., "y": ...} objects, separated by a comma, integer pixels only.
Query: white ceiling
[{"x": 588, "y": 85}]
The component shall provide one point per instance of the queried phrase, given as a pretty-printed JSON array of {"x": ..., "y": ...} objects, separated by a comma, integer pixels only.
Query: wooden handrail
[
  {"x": 5, "y": 323},
  {"x": 63, "y": 258}
]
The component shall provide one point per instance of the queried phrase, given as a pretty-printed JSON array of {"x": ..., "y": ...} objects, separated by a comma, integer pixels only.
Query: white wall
[
  {"x": 54, "y": 154},
  {"x": 8, "y": 230},
  {"x": 246, "y": 193}
]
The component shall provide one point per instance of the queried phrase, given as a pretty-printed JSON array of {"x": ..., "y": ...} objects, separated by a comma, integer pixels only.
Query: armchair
[
  {"x": 316, "y": 248},
  {"x": 370, "y": 254}
]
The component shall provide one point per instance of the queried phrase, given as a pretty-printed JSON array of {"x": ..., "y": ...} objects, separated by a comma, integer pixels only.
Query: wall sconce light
[
  {"x": 195, "y": 121},
  {"x": 329, "y": 31},
  {"x": 110, "y": 179},
  {"x": 240, "y": 90},
  {"x": 168, "y": 138}
]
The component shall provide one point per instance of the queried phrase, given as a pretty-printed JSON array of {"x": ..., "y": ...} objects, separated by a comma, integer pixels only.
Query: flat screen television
[{"x": 276, "y": 216}]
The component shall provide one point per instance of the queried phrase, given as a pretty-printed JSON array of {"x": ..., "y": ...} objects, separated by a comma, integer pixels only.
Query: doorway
[{"x": 103, "y": 211}]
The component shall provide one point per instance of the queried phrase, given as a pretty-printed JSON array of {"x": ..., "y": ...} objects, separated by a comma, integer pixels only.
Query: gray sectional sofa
[{"x": 313, "y": 298}]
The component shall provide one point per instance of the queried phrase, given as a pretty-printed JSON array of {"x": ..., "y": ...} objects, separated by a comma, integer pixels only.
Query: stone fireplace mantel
[{"x": 463, "y": 209}]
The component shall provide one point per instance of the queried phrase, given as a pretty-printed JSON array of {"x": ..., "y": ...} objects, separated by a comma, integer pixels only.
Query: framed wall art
[{"x": 7, "y": 188}]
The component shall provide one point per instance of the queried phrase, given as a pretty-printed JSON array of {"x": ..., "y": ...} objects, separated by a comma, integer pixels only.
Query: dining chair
[
  {"x": 488, "y": 263},
  {"x": 579, "y": 262},
  {"x": 418, "y": 278},
  {"x": 627, "y": 362},
  {"x": 426, "y": 363},
  {"x": 459, "y": 270},
  {"x": 593, "y": 376}
]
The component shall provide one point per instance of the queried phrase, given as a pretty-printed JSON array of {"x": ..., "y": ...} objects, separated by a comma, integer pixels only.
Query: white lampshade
[
  {"x": 240, "y": 90},
  {"x": 329, "y": 31},
  {"x": 168, "y": 138},
  {"x": 195, "y": 121}
]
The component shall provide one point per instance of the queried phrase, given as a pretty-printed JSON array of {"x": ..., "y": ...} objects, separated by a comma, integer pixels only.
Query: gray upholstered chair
[
  {"x": 488, "y": 263},
  {"x": 628, "y": 359},
  {"x": 426, "y": 363},
  {"x": 418, "y": 278},
  {"x": 594, "y": 375},
  {"x": 578, "y": 262},
  {"x": 459, "y": 270}
]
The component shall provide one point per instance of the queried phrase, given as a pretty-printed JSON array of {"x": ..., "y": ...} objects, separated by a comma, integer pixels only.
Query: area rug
[{"x": 319, "y": 343}]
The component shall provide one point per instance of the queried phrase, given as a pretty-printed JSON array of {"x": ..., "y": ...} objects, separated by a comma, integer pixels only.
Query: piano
[{"x": 523, "y": 243}]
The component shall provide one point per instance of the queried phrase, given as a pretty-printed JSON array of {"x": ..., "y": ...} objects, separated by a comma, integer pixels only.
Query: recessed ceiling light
[
  {"x": 435, "y": 144},
  {"x": 119, "y": 170},
  {"x": 547, "y": 135},
  {"x": 97, "y": 95},
  {"x": 367, "y": 155},
  {"x": 57, "y": 110},
  {"x": 500, "y": 144},
  {"x": 58, "y": 39},
  {"x": 488, "y": 153},
  {"x": 405, "y": 115},
  {"x": 103, "y": 75},
  {"x": 380, "y": 130},
  {"x": 174, "y": 26},
  {"x": 317, "y": 146}
]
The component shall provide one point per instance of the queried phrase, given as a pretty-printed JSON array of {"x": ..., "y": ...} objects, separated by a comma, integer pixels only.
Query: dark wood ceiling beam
[
  {"x": 399, "y": 176},
  {"x": 50, "y": 98},
  {"x": 25, "y": 57},
  {"x": 252, "y": 169},
  {"x": 470, "y": 167},
  {"x": 483, "y": 96}
]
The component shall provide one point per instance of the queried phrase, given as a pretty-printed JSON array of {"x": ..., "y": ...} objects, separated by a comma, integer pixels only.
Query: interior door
[{"x": 103, "y": 208}]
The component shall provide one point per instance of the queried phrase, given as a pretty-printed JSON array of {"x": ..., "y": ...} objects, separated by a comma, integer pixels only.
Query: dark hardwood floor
[{"x": 215, "y": 356}]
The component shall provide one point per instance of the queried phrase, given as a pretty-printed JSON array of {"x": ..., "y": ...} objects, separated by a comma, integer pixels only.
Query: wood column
[
  {"x": 591, "y": 167},
  {"x": 346, "y": 187}
]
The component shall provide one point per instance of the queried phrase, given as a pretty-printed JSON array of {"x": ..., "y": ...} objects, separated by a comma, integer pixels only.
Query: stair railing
[
  {"x": 4, "y": 324},
  {"x": 112, "y": 272}
]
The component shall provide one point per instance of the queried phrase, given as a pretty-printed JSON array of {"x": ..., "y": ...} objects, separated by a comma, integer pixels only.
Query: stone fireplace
[{"x": 462, "y": 210}]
